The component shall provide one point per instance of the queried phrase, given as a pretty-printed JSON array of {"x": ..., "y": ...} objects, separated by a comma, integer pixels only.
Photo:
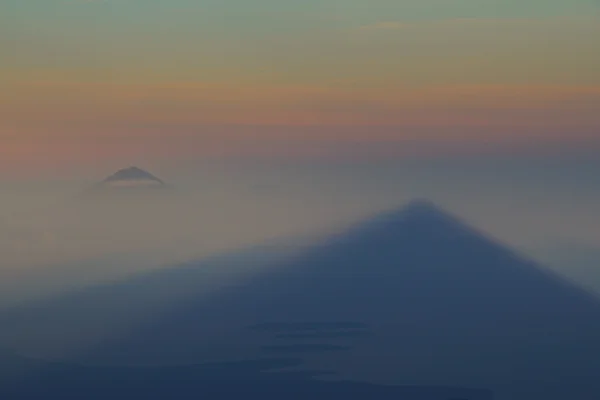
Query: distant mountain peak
[
  {"x": 132, "y": 174},
  {"x": 130, "y": 180}
]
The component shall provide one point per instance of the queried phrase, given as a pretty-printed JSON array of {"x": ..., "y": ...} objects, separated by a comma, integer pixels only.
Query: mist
[
  {"x": 195, "y": 270},
  {"x": 55, "y": 238}
]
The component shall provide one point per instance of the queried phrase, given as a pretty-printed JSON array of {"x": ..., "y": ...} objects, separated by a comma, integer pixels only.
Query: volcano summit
[{"x": 132, "y": 177}]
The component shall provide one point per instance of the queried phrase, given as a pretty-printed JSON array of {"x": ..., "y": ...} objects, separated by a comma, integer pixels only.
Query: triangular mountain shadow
[{"x": 413, "y": 296}]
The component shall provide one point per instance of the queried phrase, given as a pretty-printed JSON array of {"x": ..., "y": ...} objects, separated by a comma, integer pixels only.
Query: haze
[
  {"x": 545, "y": 206},
  {"x": 272, "y": 138}
]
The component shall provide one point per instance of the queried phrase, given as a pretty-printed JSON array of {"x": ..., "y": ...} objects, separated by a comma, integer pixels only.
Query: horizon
[
  {"x": 147, "y": 81},
  {"x": 175, "y": 173}
]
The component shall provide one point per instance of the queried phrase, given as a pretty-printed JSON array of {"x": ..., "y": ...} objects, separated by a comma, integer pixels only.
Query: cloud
[
  {"x": 398, "y": 25},
  {"x": 387, "y": 25},
  {"x": 85, "y": 1},
  {"x": 391, "y": 25}
]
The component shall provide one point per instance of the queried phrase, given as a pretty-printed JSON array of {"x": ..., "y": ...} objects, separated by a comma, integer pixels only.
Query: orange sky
[{"x": 77, "y": 91}]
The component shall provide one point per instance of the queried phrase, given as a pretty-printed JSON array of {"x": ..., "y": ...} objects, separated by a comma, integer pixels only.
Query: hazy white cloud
[
  {"x": 86, "y": 1},
  {"x": 387, "y": 25},
  {"x": 523, "y": 21}
]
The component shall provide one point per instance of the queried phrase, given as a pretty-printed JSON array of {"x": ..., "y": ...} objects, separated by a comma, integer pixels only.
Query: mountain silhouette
[
  {"x": 411, "y": 296},
  {"x": 127, "y": 181},
  {"x": 132, "y": 177},
  {"x": 132, "y": 205},
  {"x": 125, "y": 188}
]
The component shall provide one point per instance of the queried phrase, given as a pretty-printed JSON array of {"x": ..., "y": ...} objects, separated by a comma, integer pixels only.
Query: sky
[
  {"x": 281, "y": 119},
  {"x": 95, "y": 83}
]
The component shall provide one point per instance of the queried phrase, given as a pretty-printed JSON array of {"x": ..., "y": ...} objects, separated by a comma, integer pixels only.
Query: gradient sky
[{"x": 107, "y": 81}]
